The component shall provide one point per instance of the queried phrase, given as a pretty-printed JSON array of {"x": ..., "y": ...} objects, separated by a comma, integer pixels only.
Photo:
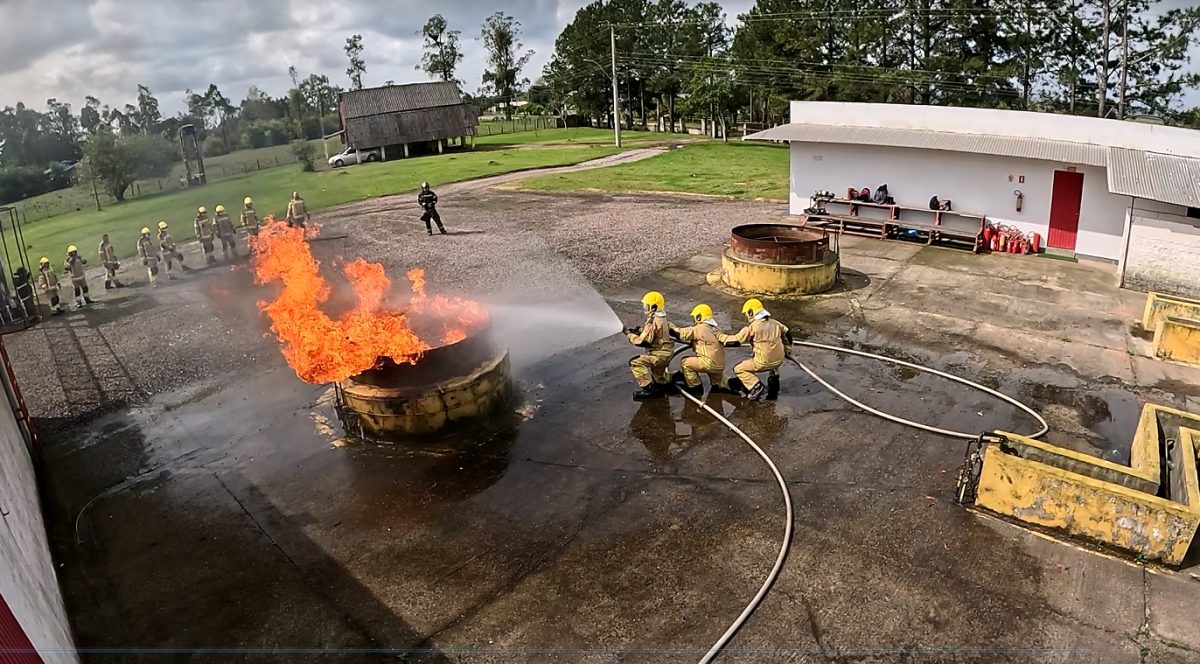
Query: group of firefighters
[
  {"x": 162, "y": 249},
  {"x": 768, "y": 338}
]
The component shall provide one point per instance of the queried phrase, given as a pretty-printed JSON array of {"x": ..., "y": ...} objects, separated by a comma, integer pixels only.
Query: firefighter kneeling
[
  {"x": 709, "y": 352},
  {"x": 650, "y": 369},
  {"x": 770, "y": 340}
]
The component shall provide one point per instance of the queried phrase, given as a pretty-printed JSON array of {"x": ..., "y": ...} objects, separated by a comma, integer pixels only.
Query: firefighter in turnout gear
[
  {"x": 226, "y": 233},
  {"x": 650, "y": 369},
  {"x": 148, "y": 252},
  {"x": 769, "y": 339},
  {"x": 297, "y": 214},
  {"x": 168, "y": 252},
  {"x": 48, "y": 280},
  {"x": 108, "y": 257},
  {"x": 204, "y": 233},
  {"x": 73, "y": 267},
  {"x": 709, "y": 352},
  {"x": 249, "y": 217},
  {"x": 428, "y": 202}
]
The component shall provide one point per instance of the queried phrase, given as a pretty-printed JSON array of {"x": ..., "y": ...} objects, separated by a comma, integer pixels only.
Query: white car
[{"x": 354, "y": 156}]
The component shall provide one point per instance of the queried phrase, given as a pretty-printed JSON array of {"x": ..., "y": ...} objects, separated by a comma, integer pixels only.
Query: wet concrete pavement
[{"x": 222, "y": 510}]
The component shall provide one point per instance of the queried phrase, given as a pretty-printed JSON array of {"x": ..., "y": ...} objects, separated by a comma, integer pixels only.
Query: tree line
[{"x": 1111, "y": 58}]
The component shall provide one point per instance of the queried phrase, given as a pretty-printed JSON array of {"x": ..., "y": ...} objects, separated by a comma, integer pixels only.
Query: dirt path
[{"x": 480, "y": 184}]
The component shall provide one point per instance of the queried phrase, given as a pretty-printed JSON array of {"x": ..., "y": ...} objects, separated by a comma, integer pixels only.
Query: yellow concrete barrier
[
  {"x": 1087, "y": 497},
  {"x": 1178, "y": 339},
  {"x": 1159, "y": 306}
]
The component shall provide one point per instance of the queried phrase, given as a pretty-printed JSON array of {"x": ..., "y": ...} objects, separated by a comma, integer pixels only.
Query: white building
[{"x": 1121, "y": 191}]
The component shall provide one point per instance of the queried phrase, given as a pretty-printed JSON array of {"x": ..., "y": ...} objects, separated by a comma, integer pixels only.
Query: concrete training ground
[{"x": 198, "y": 496}]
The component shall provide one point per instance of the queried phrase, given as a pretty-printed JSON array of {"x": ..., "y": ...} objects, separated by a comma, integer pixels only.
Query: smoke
[{"x": 534, "y": 331}]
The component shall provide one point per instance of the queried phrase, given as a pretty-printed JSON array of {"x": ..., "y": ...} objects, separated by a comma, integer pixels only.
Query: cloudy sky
[{"x": 70, "y": 48}]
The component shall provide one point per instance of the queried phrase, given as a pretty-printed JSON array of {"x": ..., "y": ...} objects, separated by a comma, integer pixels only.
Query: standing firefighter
[
  {"x": 770, "y": 340},
  {"x": 428, "y": 202},
  {"x": 650, "y": 369},
  {"x": 249, "y": 217},
  {"x": 204, "y": 233},
  {"x": 48, "y": 280},
  {"x": 108, "y": 257},
  {"x": 168, "y": 252},
  {"x": 709, "y": 352},
  {"x": 148, "y": 252},
  {"x": 226, "y": 232},
  {"x": 73, "y": 267},
  {"x": 297, "y": 214}
]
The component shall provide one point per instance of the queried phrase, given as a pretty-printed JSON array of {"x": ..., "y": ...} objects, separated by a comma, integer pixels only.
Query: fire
[{"x": 323, "y": 349}]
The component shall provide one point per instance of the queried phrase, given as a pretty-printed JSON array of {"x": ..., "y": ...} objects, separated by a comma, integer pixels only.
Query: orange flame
[{"x": 322, "y": 349}]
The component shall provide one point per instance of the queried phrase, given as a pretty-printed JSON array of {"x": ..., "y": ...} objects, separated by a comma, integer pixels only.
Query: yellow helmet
[
  {"x": 654, "y": 301},
  {"x": 752, "y": 307},
  {"x": 702, "y": 311},
  {"x": 161, "y": 224},
  {"x": 202, "y": 210},
  {"x": 146, "y": 229},
  {"x": 247, "y": 201},
  {"x": 72, "y": 249},
  {"x": 44, "y": 261},
  {"x": 220, "y": 209}
]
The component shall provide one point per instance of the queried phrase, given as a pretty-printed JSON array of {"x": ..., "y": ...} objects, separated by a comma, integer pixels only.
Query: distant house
[{"x": 398, "y": 118}]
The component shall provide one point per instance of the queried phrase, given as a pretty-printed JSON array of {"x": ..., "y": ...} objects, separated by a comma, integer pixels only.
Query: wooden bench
[{"x": 896, "y": 222}]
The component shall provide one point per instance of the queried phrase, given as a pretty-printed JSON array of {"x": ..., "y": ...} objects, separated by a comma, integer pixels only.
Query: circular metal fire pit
[
  {"x": 448, "y": 387},
  {"x": 779, "y": 259}
]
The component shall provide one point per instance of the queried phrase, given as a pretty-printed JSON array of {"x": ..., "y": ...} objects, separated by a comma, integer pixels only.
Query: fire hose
[{"x": 717, "y": 647}]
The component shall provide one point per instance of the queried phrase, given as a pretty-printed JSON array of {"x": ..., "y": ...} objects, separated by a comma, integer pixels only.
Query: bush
[{"x": 306, "y": 154}]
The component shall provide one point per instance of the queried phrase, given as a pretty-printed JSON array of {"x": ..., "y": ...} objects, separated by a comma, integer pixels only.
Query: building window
[{"x": 1193, "y": 213}]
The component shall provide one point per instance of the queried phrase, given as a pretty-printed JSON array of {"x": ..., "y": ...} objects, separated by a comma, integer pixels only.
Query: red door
[
  {"x": 15, "y": 647},
  {"x": 1064, "y": 209}
]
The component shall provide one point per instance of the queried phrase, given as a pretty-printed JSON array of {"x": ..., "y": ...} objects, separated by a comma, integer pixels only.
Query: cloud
[{"x": 71, "y": 48}]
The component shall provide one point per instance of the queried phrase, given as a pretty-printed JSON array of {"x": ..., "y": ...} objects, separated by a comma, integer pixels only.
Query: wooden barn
[{"x": 400, "y": 118}]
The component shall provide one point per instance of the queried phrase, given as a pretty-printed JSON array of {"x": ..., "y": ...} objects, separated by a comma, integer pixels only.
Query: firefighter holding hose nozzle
[
  {"x": 650, "y": 368},
  {"x": 770, "y": 339},
  {"x": 709, "y": 352}
]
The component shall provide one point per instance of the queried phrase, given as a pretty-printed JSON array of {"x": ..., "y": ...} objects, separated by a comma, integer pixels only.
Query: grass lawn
[
  {"x": 736, "y": 169},
  {"x": 271, "y": 190}
]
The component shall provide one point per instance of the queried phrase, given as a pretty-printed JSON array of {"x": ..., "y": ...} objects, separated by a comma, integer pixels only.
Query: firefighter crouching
[
  {"x": 709, "y": 352},
  {"x": 769, "y": 339},
  {"x": 249, "y": 217},
  {"x": 650, "y": 369},
  {"x": 297, "y": 213},
  {"x": 204, "y": 233},
  {"x": 168, "y": 252},
  {"x": 108, "y": 257},
  {"x": 148, "y": 252},
  {"x": 48, "y": 280},
  {"x": 226, "y": 233},
  {"x": 73, "y": 267}
]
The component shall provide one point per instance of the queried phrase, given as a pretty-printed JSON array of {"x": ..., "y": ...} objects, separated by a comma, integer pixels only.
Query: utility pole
[
  {"x": 1124, "y": 61},
  {"x": 612, "y": 37},
  {"x": 95, "y": 194},
  {"x": 1102, "y": 81}
]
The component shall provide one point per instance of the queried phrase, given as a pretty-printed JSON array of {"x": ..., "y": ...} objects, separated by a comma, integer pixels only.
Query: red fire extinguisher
[
  {"x": 988, "y": 231},
  {"x": 1035, "y": 242},
  {"x": 1003, "y": 242}
]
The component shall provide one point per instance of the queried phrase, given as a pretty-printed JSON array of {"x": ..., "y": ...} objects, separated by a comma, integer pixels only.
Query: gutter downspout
[{"x": 1127, "y": 238}]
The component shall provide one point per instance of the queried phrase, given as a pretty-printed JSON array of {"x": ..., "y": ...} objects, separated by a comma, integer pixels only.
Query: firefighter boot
[
  {"x": 108, "y": 284},
  {"x": 732, "y": 386},
  {"x": 759, "y": 391},
  {"x": 697, "y": 391},
  {"x": 646, "y": 393},
  {"x": 773, "y": 386}
]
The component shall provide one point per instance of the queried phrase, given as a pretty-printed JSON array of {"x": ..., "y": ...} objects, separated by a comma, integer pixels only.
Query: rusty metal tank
[{"x": 779, "y": 259}]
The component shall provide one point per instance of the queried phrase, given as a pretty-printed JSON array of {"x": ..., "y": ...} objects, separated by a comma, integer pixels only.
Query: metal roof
[
  {"x": 1008, "y": 146},
  {"x": 398, "y": 98},
  {"x": 1154, "y": 176}
]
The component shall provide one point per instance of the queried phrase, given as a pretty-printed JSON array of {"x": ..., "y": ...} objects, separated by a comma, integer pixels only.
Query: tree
[
  {"x": 501, "y": 38},
  {"x": 148, "y": 115},
  {"x": 354, "y": 49},
  {"x": 119, "y": 160},
  {"x": 442, "y": 51},
  {"x": 61, "y": 123},
  {"x": 89, "y": 115}
]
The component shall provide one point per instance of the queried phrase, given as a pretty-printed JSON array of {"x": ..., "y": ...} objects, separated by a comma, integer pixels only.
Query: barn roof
[{"x": 399, "y": 98}]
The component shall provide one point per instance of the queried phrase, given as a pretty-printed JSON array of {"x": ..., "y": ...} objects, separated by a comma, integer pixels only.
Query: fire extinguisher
[
  {"x": 988, "y": 231},
  {"x": 1003, "y": 242},
  {"x": 1020, "y": 198},
  {"x": 1035, "y": 242}
]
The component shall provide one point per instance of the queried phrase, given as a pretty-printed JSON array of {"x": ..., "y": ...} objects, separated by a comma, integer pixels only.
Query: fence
[{"x": 534, "y": 123}]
